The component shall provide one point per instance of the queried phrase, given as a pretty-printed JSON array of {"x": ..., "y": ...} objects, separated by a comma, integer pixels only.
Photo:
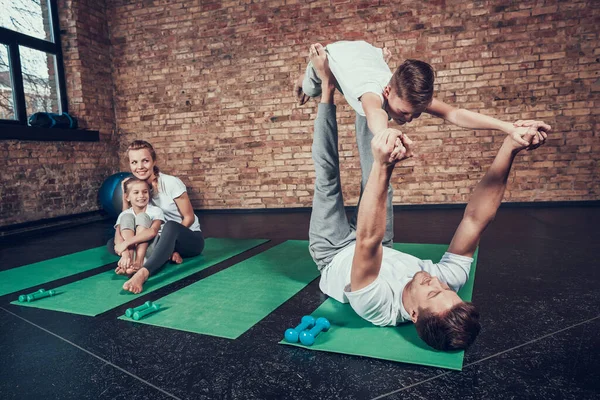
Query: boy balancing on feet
[
  {"x": 364, "y": 78},
  {"x": 385, "y": 286},
  {"x": 136, "y": 229}
]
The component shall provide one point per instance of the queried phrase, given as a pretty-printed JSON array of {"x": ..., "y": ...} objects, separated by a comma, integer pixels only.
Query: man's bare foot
[
  {"x": 176, "y": 258},
  {"x": 136, "y": 282},
  {"x": 302, "y": 97},
  {"x": 318, "y": 57},
  {"x": 387, "y": 54}
]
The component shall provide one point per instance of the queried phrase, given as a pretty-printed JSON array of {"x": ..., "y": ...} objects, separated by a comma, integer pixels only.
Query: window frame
[{"x": 13, "y": 40}]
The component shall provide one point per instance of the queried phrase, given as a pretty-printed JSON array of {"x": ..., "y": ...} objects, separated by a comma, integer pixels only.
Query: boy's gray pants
[{"x": 330, "y": 231}]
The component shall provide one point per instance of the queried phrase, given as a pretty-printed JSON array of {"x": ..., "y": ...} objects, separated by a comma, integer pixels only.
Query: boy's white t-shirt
[
  {"x": 170, "y": 188},
  {"x": 359, "y": 68},
  {"x": 153, "y": 212},
  {"x": 381, "y": 301}
]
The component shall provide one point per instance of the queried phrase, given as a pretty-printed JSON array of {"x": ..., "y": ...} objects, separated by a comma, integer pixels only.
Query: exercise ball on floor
[{"x": 111, "y": 195}]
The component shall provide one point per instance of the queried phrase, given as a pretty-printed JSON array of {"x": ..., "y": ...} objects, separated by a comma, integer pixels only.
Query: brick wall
[
  {"x": 209, "y": 84},
  {"x": 50, "y": 179}
]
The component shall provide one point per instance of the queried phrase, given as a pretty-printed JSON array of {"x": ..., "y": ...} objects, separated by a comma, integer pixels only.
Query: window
[{"x": 31, "y": 67}]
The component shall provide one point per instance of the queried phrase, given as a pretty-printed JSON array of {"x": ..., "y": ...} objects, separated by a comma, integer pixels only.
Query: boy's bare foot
[
  {"x": 136, "y": 282},
  {"x": 302, "y": 97},
  {"x": 387, "y": 54},
  {"x": 318, "y": 57},
  {"x": 176, "y": 258}
]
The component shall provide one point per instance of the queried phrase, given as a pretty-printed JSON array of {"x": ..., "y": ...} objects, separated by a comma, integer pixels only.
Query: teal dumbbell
[
  {"x": 40, "y": 294},
  {"x": 292, "y": 335},
  {"x": 130, "y": 311},
  {"x": 307, "y": 338},
  {"x": 140, "y": 314},
  {"x": 23, "y": 297}
]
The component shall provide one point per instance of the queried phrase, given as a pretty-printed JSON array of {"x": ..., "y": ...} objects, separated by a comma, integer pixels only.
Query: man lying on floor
[{"x": 384, "y": 286}]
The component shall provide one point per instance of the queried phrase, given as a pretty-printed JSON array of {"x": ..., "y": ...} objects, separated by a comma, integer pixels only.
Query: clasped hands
[{"x": 390, "y": 146}]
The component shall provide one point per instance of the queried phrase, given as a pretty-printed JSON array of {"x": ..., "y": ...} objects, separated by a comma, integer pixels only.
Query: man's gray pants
[{"x": 330, "y": 231}]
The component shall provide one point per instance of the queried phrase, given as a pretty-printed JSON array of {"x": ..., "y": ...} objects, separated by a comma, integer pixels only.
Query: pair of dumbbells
[
  {"x": 307, "y": 331},
  {"x": 40, "y": 294},
  {"x": 141, "y": 311}
]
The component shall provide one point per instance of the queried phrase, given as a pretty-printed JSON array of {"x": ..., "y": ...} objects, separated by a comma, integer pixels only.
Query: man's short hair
[
  {"x": 413, "y": 82},
  {"x": 455, "y": 329}
]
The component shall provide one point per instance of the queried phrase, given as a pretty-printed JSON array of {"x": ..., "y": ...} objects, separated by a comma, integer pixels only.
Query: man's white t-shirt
[
  {"x": 153, "y": 212},
  {"x": 170, "y": 188},
  {"x": 381, "y": 301},
  {"x": 359, "y": 68}
]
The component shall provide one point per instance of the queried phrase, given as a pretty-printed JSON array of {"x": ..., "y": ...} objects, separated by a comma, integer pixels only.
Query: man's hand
[
  {"x": 529, "y": 136},
  {"x": 540, "y": 137},
  {"x": 390, "y": 146}
]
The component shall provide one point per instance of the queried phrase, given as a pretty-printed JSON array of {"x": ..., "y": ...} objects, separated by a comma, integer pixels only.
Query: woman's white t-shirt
[{"x": 170, "y": 188}]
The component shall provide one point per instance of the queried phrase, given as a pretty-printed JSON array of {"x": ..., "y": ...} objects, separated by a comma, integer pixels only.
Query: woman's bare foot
[
  {"x": 387, "y": 54},
  {"x": 136, "y": 282},
  {"x": 302, "y": 97},
  {"x": 176, "y": 258}
]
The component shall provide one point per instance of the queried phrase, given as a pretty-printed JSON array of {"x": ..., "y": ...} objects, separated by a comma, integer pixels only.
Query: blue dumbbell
[
  {"x": 307, "y": 338},
  {"x": 291, "y": 335}
]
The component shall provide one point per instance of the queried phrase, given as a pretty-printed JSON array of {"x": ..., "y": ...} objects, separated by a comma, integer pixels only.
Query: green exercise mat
[
  {"x": 350, "y": 334},
  {"x": 31, "y": 275},
  {"x": 229, "y": 303},
  {"x": 102, "y": 292}
]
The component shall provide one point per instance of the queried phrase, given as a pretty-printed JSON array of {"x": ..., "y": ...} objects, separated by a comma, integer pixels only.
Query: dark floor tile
[
  {"x": 562, "y": 366},
  {"x": 36, "y": 364}
]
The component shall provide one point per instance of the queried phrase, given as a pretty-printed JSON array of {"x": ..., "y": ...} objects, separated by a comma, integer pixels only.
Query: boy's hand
[
  {"x": 540, "y": 137},
  {"x": 528, "y": 136},
  {"x": 390, "y": 146}
]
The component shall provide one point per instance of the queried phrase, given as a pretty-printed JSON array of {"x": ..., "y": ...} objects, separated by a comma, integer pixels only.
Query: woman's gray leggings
[{"x": 174, "y": 237}]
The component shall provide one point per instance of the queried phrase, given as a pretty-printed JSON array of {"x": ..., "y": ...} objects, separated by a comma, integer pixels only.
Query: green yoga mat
[
  {"x": 350, "y": 334},
  {"x": 229, "y": 303},
  {"x": 31, "y": 275},
  {"x": 102, "y": 292}
]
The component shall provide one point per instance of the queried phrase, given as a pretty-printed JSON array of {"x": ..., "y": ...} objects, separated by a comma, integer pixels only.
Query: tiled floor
[{"x": 537, "y": 287}]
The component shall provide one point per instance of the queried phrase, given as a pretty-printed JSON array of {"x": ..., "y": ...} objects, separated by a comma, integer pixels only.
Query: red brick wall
[
  {"x": 50, "y": 179},
  {"x": 209, "y": 84}
]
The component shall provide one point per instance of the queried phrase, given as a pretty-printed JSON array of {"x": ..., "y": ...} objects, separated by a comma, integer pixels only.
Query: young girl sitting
[{"x": 137, "y": 228}]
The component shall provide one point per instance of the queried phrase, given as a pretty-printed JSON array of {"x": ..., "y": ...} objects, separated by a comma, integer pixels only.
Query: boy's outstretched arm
[
  {"x": 377, "y": 118},
  {"x": 472, "y": 120}
]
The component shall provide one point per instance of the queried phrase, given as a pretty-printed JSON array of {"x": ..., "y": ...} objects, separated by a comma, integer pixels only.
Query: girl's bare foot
[
  {"x": 136, "y": 282},
  {"x": 387, "y": 54},
  {"x": 302, "y": 97},
  {"x": 135, "y": 267},
  {"x": 176, "y": 258},
  {"x": 123, "y": 264}
]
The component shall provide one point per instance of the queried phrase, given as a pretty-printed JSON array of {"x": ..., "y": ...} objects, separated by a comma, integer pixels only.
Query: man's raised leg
[{"x": 329, "y": 229}]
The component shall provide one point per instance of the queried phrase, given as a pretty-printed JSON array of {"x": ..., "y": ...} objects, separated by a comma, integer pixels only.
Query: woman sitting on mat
[
  {"x": 180, "y": 236},
  {"x": 136, "y": 229}
]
